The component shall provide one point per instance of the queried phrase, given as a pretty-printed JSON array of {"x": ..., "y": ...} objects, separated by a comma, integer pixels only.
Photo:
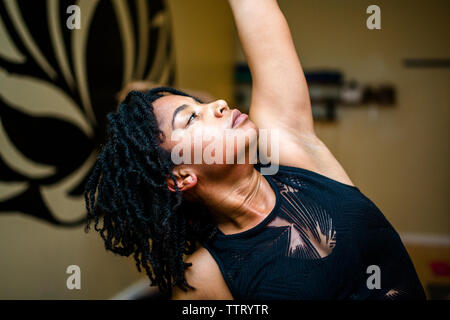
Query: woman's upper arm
[{"x": 279, "y": 88}]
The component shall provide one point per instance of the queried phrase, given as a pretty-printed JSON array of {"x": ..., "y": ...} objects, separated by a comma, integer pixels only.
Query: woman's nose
[{"x": 220, "y": 106}]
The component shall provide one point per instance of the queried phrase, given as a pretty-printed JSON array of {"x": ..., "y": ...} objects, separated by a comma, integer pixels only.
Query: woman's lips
[
  {"x": 238, "y": 117},
  {"x": 242, "y": 117}
]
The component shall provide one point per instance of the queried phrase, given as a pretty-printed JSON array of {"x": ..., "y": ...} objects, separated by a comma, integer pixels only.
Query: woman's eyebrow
[{"x": 179, "y": 109}]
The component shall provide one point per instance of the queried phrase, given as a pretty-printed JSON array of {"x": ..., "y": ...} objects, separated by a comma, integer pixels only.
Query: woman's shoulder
[
  {"x": 205, "y": 276},
  {"x": 332, "y": 173},
  {"x": 308, "y": 153}
]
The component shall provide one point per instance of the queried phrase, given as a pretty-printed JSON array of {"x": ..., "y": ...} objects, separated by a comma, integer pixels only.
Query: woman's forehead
[
  {"x": 172, "y": 100},
  {"x": 165, "y": 106}
]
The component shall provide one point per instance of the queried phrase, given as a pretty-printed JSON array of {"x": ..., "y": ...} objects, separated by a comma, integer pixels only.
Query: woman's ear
[{"x": 185, "y": 181}]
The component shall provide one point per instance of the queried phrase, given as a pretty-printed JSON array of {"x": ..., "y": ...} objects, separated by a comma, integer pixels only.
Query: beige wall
[
  {"x": 35, "y": 256},
  {"x": 204, "y": 42},
  {"x": 399, "y": 158}
]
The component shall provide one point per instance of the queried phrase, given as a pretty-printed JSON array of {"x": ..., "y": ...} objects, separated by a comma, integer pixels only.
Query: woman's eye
[{"x": 192, "y": 117}]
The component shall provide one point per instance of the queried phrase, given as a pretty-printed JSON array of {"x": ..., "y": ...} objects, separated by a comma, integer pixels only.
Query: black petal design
[
  {"x": 46, "y": 140},
  {"x": 30, "y": 203}
]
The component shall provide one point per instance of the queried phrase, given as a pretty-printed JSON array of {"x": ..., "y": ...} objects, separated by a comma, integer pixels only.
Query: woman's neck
[{"x": 239, "y": 201}]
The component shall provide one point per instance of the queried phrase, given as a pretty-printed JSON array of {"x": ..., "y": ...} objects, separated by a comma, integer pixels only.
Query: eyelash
[{"x": 190, "y": 118}]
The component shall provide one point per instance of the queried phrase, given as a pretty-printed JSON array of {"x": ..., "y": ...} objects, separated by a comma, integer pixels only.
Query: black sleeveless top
[{"x": 322, "y": 240}]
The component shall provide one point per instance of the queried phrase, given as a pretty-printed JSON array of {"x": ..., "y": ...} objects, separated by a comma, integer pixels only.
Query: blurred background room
[{"x": 381, "y": 100}]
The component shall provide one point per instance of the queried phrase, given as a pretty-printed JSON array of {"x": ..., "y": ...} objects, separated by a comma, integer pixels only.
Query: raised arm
[
  {"x": 280, "y": 95},
  {"x": 280, "y": 98}
]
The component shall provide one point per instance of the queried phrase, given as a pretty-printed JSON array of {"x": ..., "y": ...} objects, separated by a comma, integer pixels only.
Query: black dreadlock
[{"x": 128, "y": 189}]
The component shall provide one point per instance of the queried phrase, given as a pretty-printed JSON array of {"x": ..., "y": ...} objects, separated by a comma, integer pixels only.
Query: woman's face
[{"x": 212, "y": 122}]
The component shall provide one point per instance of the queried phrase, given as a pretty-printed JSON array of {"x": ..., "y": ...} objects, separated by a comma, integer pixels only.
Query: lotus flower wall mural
[{"x": 56, "y": 87}]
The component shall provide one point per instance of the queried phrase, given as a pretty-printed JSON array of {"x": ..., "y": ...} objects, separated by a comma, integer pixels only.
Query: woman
[{"x": 225, "y": 231}]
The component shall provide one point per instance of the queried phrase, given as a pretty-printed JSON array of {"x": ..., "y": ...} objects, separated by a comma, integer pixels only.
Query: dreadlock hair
[{"x": 128, "y": 189}]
